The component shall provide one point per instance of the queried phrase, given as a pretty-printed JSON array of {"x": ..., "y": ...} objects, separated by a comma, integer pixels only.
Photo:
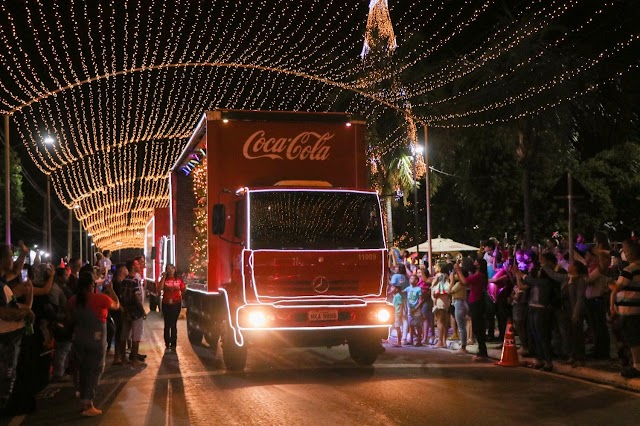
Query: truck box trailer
[{"x": 278, "y": 235}]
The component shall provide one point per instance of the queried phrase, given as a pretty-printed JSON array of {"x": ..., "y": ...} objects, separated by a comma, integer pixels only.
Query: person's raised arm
[
  {"x": 19, "y": 263},
  {"x": 461, "y": 276},
  {"x": 41, "y": 291},
  {"x": 555, "y": 276},
  {"x": 115, "y": 302},
  {"x": 500, "y": 276},
  {"x": 28, "y": 285},
  {"x": 163, "y": 278}
]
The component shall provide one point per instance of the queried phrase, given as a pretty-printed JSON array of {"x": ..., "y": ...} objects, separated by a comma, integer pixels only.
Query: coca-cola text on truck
[{"x": 277, "y": 234}]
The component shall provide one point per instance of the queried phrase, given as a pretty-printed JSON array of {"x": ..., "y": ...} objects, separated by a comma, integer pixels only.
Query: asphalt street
[{"x": 323, "y": 386}]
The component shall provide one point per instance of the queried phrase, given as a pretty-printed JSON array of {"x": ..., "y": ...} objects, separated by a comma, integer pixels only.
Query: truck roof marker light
[
  {"x": 348, "y": 124},
  {"x": 225, "y": 120}
]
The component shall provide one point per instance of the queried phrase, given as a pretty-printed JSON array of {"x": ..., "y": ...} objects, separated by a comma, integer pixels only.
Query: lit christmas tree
[{"x": 199, "y": 243}]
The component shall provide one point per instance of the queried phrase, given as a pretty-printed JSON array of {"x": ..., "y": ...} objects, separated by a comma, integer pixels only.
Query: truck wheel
[
  {"x": 364, "y": 351},
  {"x": 212, "y": 340},
  {"x": 234, "y": 356},
  {"x": 194, "y": 335}
]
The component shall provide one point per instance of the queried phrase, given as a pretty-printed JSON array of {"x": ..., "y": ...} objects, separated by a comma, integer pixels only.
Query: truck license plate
[{"x": 323, "y": 315}]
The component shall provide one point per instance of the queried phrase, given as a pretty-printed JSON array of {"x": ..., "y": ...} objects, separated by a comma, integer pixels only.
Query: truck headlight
[
  {"x": 257, "y": 319},
  {"x": 383, "y": 315}
]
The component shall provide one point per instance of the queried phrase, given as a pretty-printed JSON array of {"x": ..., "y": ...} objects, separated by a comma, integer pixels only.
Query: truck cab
[{"x": 291, "y": 258}]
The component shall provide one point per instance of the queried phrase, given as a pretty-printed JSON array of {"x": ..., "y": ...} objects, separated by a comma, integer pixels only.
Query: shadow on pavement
[
  {"x": 57, "y": 404},
  {"x": 168, "y": 401}
]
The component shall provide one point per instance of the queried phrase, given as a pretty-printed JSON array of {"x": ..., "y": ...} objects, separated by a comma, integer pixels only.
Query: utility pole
[
  {"x": 415, "y": 201},
  {"x": 7, "y": 180},
  {"x": 570, "y": 202},
  {"x": 428, "y": 202},
  {"x": 80, "y": 253},
  {"x": 70, "y": 235}
]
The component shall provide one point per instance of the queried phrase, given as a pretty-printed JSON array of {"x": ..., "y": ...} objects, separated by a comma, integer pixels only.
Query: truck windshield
[{"x": 321, "y": 220}]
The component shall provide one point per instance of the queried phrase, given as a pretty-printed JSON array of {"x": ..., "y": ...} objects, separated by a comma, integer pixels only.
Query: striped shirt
[{"x": 628, "y": 297}]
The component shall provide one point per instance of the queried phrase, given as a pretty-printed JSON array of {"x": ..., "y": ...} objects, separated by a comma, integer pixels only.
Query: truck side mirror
[
  {"x": 153, "y": 253},
  {"x": 219, "y": 219}
]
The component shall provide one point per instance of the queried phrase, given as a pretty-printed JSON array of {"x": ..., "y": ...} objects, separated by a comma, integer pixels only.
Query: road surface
[{"x": 321, "y": 386}]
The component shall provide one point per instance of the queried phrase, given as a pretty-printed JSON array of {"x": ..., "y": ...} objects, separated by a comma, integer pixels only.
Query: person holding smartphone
[{"x": 172, "y": 288}]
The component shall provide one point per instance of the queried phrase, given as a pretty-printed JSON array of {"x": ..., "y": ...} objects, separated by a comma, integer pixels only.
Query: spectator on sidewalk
[
  {"x": 174, "y": 289},
  {"x": 504, "y": 281},
  {"x": 74, "y": 269},
  {"x": 133, "y": 312},
  {"x": 625, "y": 301},
  {"x": 540, "y": 300},
  {"x": 458, "y": 293},
  {"x": 61, "y": 335},
  {"x": 597, "y": 291},
  {"x": 399, "y": 279},
  {"x": 88, "y": 310},
  {"x": 14, "y": 317},
  {"x": 117, "y": 316},
  {"x": 441, "y": 303},
  {"x": 414, "y": 301},
  {"x": 398, "y": 307},
  {"x": 477, "y": 285},
  {"x": 428, "y": 325},
  {"x": 561, "y": 306}
]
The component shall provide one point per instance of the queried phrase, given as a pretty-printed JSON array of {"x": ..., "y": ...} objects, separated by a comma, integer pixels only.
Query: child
[
  {"x": 398, "y": 305},
  {"x": 414, "y": 301}
]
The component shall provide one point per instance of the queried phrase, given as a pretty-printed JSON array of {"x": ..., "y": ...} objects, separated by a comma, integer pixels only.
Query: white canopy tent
[{"x": 443, "y": 245}]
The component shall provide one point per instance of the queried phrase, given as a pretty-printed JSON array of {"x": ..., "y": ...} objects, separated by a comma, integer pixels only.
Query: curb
[{"x": 587, "y": 373}]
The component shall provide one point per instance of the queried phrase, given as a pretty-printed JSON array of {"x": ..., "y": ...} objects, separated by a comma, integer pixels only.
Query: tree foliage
[{"x": 17, "y": 196}]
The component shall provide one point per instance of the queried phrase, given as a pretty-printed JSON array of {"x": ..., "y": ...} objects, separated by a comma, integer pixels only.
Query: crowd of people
[
  {"x": 561, "y": 298},
  {"x": 59, "y": 323}
]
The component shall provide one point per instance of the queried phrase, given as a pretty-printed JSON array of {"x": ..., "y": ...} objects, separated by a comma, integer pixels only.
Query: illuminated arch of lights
[{"x": 116, "y": 87}]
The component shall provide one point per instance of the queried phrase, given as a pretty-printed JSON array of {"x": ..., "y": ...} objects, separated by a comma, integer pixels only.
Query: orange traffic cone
[{"x": 509, "y": 357}]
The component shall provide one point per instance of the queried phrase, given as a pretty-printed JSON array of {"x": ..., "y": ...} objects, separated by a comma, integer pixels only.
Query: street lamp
[
  {"x": 417, "y": 150},
  {"x": 48, "y": 140}
]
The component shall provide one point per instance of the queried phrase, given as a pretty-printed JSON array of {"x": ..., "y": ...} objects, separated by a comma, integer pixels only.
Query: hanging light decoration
[{"x": 122, "y": 84}]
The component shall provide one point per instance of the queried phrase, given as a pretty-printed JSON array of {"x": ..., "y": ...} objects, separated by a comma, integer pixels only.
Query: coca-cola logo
[{"x": 304, "y": 146}]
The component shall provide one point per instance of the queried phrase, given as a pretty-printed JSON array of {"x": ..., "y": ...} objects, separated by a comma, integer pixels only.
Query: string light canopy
[{"x": 115, "y": 88}]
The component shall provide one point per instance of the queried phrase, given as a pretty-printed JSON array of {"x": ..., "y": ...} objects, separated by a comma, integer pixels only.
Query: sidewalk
[{"x": 602, "y": 372}]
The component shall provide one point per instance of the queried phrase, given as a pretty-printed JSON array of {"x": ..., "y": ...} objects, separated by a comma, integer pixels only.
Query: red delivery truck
[{"x": 278, "y": 235}]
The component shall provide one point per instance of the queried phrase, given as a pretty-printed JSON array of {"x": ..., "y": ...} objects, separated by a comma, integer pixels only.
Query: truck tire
[
  {"x": 194, "y": 335},
  {"x": 364, "y": 351},
  {"x": 234, "y": 356},
  {"x": 212, "y": 340}
]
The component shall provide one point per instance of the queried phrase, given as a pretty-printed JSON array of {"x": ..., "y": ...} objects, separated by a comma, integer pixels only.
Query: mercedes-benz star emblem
[{"x": 320, "y": 285}]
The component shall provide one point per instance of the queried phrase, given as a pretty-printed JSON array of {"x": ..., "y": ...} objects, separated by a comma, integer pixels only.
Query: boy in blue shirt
[
  {"x": 414, "y": 301},
  {"x": 398, "y": 306}
]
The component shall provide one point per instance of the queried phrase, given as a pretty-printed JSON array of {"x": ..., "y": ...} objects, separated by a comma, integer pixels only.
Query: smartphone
[{"x": 25, "y": 275}]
